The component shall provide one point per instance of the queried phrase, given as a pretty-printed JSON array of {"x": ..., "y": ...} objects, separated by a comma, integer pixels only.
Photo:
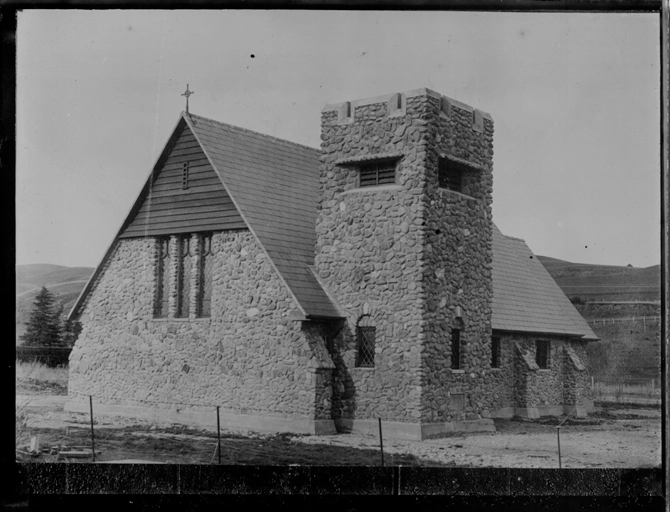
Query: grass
[
  {"x": 34, "y": 378},
  {"x": 197, "y": 447},
  {"x": 22, "y": 433}
]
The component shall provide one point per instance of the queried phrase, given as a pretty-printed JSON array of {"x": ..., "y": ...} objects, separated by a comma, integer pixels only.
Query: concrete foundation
[
  {"x": 413, "y": 431},
  {"x": 579, "y": 411}
]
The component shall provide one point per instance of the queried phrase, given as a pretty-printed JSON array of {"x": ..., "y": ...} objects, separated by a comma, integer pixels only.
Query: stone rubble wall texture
[
  {"x": 248, "y": 358},
  {"x": 408, "y": 254},
  {"x": 369, "y": 243},
  {"x": 457, "y": 271},
  {"x": 561, "y": 384}
]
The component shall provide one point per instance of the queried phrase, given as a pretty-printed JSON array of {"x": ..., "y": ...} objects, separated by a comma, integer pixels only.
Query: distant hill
[
  {"x": 586, "y": 281},
  {"x": 66, "y": 283},
  {"x": 605, "y": 282},
  {"x": 615, "y": 300}
]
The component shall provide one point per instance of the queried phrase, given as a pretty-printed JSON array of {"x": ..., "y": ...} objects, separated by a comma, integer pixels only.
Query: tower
[{"x": 404, "y": 247}]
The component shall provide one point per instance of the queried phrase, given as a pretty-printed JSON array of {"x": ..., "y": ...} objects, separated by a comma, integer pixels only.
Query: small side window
[
  {"x": 455, "y": 349},
  {"x": 542, "y": 354},
  {"x": 495, "y": 352}
]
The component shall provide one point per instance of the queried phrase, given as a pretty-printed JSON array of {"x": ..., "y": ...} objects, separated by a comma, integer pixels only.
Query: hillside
[
  {"x": 605, "y": 282},
  {"x": 66, "y": 283},
  {"x": 622, "y": 306}
]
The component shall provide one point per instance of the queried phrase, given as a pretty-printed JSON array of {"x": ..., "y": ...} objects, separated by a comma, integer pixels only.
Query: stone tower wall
[
  {"x": 369, "y": 254},
  {"x": 458, "y": 262},
  {"x": 407, "y": 253}
]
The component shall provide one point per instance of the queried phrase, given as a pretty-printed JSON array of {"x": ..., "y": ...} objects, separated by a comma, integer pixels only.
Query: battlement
[{"x": 397, "y": 102}]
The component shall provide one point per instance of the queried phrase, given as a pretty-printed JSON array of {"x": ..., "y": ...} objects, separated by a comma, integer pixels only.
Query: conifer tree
[{"x": 43, "y": 329}]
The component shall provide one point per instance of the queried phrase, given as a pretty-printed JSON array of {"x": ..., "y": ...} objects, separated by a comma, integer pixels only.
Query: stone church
[{"x": 316, "y": 291}]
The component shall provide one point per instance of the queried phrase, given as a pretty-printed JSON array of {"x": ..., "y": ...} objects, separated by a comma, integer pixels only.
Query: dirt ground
[{"x": 612, "y": 437}]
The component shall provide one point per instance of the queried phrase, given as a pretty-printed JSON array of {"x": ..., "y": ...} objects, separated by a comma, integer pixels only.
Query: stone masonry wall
[
  {"x": 560, "y": 384},
  {"x": 407, "y": 254},
  {"x": 248, "y": 357},
  {"x": 457, "y": 270},
  {"x": 368, "y": 256}
]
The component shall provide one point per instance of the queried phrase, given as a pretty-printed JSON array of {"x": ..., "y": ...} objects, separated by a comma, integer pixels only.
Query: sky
[{"x": 575, "y": 99}]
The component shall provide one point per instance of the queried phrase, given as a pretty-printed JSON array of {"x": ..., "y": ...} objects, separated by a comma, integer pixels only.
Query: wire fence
[
  {"x": 626, "y": 390},
  {"x": 644, "y": 320}
]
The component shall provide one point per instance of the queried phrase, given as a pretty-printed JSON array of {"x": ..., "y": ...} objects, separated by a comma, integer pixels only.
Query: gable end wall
[{"x": 249, "y": 358}]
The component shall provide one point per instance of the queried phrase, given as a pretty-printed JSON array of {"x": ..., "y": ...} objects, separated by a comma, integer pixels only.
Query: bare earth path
[{"x": 611, "y": 438}]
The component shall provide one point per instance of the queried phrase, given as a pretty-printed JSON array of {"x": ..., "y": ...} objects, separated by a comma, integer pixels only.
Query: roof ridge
[{"x": 277, "y": 139}]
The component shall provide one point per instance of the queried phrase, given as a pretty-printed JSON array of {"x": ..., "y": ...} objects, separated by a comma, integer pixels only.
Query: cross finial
[{"x": 187, "y": 94}]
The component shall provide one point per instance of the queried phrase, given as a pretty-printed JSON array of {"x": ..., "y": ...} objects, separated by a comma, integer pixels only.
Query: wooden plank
[
  {"x": 193, "y": 196},
  {"x": 185, "y": 228},
  {"x": 186, "y": 143},
  {"x": 200, "y": 171},
  {"x": 179, "y": 159},
  {"x": 185, "y": 154},
  {"x": 180, "y": 192},
  {"x": 193, "y": 179},
  {"x": 189, "y": 148},
  {"x": 186, "y": 213},
  {"x": 157, "y": 231},
  {"x": 161, "y": 188},
  {"x": 193, "y": 172},
  {"x": 193, "y": 219},
  {"x": 198, "y": 160},
  {"x": 222, "y": 203}
]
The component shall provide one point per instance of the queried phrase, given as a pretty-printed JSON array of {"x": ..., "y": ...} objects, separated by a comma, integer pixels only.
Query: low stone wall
[
  {"x": 521, "y": 386},
  {"x": 249, "y": 357}
]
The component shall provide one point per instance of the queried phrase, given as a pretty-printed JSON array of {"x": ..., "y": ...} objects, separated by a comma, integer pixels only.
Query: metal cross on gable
[{"x": 187, "y": 94}]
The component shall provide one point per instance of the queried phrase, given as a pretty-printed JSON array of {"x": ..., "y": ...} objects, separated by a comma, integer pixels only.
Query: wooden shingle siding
[{"x": 168, "y": 208}]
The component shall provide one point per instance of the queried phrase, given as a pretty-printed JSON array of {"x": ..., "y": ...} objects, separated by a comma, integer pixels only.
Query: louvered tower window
[
  {"x": 162, "y": 297},
  {"x": 450, "y": 175},
  {"x": 377, "y": 173},
  {"x": 205, "y": 277}
]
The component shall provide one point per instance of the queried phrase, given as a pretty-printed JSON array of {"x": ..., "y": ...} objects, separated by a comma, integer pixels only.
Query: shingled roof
[{"x": 525, "y": 297}]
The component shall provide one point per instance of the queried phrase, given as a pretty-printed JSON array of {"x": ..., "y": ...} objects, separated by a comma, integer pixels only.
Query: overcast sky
[{"x": 574, "y": 98}]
